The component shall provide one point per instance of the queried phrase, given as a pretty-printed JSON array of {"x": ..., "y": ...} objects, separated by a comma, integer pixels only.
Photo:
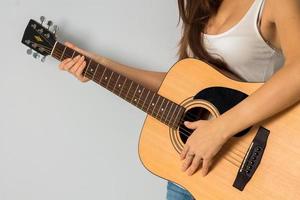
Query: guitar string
[
  {"x": 139, "y": 99},
  {"x": 229, "y": 160},
  {"x": 190, "y": 134},
  {"x": 188, "y": 115}
]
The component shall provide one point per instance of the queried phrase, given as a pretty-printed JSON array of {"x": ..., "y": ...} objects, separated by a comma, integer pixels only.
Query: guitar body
[{"x": 277, "y": 176}]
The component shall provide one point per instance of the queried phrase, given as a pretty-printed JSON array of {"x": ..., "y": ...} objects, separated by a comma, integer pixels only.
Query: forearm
[
  {"x": 149, "y": 79},
  {"x": 279, "y": 93}
]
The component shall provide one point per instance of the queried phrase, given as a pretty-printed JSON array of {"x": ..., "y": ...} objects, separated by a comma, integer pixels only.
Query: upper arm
[{"x": 286, "y": 16}]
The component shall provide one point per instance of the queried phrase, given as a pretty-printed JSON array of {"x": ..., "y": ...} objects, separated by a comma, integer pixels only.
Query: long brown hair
[{"x": 195, "y": 15}]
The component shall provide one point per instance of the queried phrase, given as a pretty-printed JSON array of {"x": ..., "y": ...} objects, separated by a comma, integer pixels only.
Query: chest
[{"x": 231, "y": 12}]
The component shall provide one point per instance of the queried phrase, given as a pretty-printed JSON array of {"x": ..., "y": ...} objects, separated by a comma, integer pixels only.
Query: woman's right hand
[{"x": 76, "y": 65}]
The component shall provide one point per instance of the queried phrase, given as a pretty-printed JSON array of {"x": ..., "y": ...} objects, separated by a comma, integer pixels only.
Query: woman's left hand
[{"x": 201, "y": 147}]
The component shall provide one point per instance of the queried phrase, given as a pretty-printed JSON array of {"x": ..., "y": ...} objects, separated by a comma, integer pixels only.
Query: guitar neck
[{"x": 148, "y": 101}]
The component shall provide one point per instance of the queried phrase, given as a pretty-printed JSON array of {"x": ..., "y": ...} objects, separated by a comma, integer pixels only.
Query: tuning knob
[
  {"x": 36, "y": 55},
  {"x": 49, "y": 23},
  {"x": 55, "y": 29},
  {"x": 43, "y": 59},
  {"x": 42, "y": 19},
  {"x": 29, "y": 51}
]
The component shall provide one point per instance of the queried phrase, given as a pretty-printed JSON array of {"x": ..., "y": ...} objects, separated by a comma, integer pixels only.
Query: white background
[{"x": 64, "y": 140}]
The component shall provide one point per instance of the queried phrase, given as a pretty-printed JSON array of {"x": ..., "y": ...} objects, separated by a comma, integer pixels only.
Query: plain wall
[{"x": 61, "y": 139}]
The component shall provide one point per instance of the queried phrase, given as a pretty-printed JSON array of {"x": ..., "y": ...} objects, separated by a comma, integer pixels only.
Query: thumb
[{"x": 191, "y": 125}]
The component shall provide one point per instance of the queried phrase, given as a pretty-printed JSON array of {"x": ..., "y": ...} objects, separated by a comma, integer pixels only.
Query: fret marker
[
  {"x": 119, "y": 85},
  {"x": 135, "y": 99},
  {"x": 92, "y": 70},
  {"x": 140, "y": 91},
  {"x": 162, "y": 109},
  {"x": 105, "y": 78},
  {"x": 153, "y": 104}
]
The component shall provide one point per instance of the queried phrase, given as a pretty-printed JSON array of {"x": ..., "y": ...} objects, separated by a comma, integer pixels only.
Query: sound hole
[{"x": 194, "y": 114}]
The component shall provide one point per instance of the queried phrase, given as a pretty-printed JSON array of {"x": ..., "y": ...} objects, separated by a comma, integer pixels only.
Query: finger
[
  {"x": 76, "y": 48},
  {"x": 80, "y": 71},
  {"x": 188, "y": 160},
  {"x": 77, "y": 65},
  {"x": 70, "y": 45},
  {"x": 84, "y": 79},
  {"x": 205, "y": 167},
  {"x": 191, "y": 125},
  {"x": 195, "y": 165},
  {"x": 64, "y": 62},
  {"x": 70, "y": 64},
  {"x": 184, "y": 151}
]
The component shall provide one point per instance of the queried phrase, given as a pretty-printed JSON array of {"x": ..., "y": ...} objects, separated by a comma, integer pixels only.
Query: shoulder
[
  {"x": 283, "y": 10},
  {"x": 285, "y": 14}
]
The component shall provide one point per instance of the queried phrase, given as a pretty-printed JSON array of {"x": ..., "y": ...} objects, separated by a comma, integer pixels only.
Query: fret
[
  {"x": 73, "y": 54},
  {"x": 58, "y": 50},
  {"x": 88, "y": 69},
  {"x": 173, "y": 113},
  {"x": 91, "y": 69},
  {"x": 164, "y": 110},
  {"x": 153, "y": 103},
  {"x": 161, "y": 108},
  {"x": 168, "y": 114},
  {"x": 149, "y": 104},
  {"x": 136, "y": 95},
  {"x": 128, "y": 89},
  {"x": 68, "y": 53},
  {"x": 95, "y": 70},
  {"x": 113, "y": 90},
  {"x": 99, "y": 73},
  {"x": 179, "y": 116},
  {"x": 141, "y": 94},
  {"x": 146, "y": 99},
  {"x": 76, "y": 54},
  {"x": 102, "y": 75},
  {"x": 56, "y": 54},
  {"x": 62, "y": 55},
  {"x": 134, "y": 88},
  {"x": 108, "y": 82},
  {"x": 121, "y": 84},
  {"x": 176, "y": 117},
  {"x": 157, "y": 106}
]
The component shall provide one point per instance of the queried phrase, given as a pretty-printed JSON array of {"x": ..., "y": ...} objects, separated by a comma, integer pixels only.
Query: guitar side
[{"x": 158, "y": 154}]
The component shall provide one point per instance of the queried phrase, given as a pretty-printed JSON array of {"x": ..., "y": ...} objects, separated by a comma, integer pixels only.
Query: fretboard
[{"x": 150, "y": 102}]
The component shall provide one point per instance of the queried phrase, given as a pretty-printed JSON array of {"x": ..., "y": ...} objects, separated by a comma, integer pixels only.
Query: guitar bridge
[{"x": 252, "y": 159}]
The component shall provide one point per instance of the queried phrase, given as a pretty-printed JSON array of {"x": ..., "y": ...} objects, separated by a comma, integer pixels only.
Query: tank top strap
[{"x": 259, "y": 12}]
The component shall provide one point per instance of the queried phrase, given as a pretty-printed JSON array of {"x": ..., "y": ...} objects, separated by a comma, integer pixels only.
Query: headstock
[{"x": 39, "y": 38}]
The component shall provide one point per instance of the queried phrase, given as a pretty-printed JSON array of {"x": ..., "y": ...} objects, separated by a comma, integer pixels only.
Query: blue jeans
[{"x": 174, "y": 192}]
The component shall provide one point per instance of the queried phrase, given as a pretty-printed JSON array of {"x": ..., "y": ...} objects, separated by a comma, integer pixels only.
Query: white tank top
[{"x": 243, "y": 48}]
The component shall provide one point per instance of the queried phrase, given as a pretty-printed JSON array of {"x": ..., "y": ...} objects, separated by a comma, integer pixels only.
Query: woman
[{"x": 252, "y": 39}]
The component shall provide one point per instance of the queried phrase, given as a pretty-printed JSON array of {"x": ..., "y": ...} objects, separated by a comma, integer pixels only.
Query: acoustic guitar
[{"x": 261, "y": 162}]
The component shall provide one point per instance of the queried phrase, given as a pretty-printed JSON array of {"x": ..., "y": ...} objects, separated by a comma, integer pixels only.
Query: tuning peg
[
  {"x": 43, "y": 59},
  {"x": 29, "y": 51},
  {"x": 42, "y": 19},
  {"x": 36, "y": 55},
  {"x": 49, "y": 23},
  {"x": 55, "y": 29}
]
